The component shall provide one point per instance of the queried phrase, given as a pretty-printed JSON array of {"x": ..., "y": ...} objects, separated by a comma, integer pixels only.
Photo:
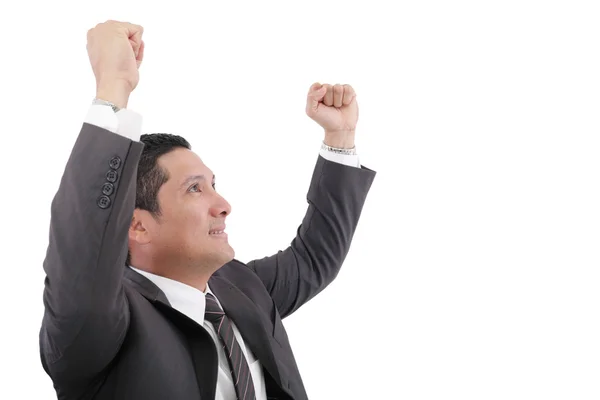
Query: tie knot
[{"x": 212, "y": 311}]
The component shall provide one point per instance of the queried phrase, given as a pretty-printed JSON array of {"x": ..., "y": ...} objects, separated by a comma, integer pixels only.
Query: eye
[{"x": 194, "y": 188}]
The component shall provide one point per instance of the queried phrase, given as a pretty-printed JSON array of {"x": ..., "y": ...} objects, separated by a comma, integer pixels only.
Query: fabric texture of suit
[{"x": 110, "y": 333}]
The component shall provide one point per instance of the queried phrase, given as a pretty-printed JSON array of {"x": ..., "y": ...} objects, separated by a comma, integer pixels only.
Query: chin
[
  {"x": 216, "y": 257},
  {"x": 225, "y": 255},
  {"x": 229, "y": 255}
]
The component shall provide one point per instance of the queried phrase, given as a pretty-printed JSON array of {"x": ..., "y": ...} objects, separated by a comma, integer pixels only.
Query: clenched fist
[
  {"x": 116, "y": 51},
  {"x": 336, "y": 110}
]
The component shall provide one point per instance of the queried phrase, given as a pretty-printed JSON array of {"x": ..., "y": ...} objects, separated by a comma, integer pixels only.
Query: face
[{"x": 192, "y": 213}]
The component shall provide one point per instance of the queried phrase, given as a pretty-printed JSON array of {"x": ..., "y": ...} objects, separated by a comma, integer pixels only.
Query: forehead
[{"x": 181, "y": 163}]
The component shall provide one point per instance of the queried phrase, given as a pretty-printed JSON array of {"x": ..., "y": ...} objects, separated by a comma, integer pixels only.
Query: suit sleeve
[
  {"x": 86, "y": 313},
  {"x": 335, "y": 200}
]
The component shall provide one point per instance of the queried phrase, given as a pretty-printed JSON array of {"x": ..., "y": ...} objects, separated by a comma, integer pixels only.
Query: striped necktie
[{"x": 240, "y": 371}]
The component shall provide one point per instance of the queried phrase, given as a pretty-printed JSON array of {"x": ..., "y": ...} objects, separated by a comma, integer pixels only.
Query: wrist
[
  {"x": 337, "y": 150},
  {"x": 339, "y": 139},
  {"x": 116, "y": 93}
]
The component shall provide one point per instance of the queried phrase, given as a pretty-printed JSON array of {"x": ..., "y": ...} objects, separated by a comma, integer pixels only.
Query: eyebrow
[{"x": 194, "y": 178}]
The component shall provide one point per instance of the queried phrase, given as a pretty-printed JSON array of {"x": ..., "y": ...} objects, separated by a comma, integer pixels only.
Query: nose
[{"x": 221, "y": 207}]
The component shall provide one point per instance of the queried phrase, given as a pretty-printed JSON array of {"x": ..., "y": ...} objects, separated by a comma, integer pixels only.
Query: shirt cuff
[
  {"x": 346, "y": 159},
  {"x": 125, "y": 122}
]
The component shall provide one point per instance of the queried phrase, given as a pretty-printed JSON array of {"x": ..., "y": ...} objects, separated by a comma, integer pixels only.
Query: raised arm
[
  {"x": 335, "y": 200},
  {"x": 86, "y": 314}
]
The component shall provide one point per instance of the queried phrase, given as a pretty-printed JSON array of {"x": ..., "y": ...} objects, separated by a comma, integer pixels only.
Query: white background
[{"x": 474, "y": 273}]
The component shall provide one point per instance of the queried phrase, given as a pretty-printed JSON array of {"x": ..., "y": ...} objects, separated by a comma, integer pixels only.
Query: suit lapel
[
  {"x": 202, "y": 348},
  {"x": 236, "y": 305},
  {"x": 146, "y": 287},
  {"x": 246, "y": 317}
]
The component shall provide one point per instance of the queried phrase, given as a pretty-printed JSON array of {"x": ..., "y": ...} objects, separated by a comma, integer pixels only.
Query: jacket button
[
  {"x": 108, "y": 188},
  {"x": 103, "y": 202},
  {"x": 111, "y": 176},
  {"x": 115, "y": 163}
]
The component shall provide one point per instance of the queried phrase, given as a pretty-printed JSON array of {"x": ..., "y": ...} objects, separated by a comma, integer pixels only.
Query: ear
[{"x": 138, "y": 230}]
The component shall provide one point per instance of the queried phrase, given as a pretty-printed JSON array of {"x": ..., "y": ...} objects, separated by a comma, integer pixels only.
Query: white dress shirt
[{"x": 186, "y": 299}]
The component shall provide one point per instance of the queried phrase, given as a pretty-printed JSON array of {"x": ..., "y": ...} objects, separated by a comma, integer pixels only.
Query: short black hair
[{"x": 150, "y": 175}]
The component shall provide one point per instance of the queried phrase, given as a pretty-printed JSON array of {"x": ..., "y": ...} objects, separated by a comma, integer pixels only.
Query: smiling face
[{"x": 186, "y": 237}]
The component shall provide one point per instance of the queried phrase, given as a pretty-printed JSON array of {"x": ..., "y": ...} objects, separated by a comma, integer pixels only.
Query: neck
[{"x": 195, "y": 276}]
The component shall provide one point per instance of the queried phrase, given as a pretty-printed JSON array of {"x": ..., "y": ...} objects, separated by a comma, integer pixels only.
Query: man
[{"x": 143, "y": 297}]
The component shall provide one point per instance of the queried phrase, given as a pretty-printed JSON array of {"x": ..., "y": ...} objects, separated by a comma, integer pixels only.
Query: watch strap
[
  {"x": 348, "y": 152},
  {"x": 101, "y": 102}
]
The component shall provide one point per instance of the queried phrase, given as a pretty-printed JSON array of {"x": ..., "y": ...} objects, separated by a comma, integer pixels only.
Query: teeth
[{"x": 216, "y": 232}]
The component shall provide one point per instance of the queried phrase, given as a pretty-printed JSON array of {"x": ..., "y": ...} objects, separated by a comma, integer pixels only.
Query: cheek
[
  {"x": 184, "y": 223},
  {"x": 193, "y": 224},
  {"x": 198, "y": 232}
]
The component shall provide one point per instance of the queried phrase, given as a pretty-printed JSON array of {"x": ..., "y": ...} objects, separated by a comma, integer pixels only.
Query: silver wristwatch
[
  {"x": 348, "y": 152},
  {"x": 105, "y": 103}
]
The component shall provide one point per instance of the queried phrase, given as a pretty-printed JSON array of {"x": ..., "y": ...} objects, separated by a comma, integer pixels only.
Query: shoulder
[{"x": 238, "y": 273}]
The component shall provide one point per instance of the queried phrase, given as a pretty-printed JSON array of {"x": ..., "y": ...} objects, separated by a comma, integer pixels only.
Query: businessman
[{"x": 143, "y": 297}]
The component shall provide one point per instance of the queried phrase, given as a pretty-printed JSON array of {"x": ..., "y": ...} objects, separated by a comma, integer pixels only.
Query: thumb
[
  {"x": 136, "y": 42},
  {"x": 314, "y": 96},
  {"x": 140, "y": 55}
]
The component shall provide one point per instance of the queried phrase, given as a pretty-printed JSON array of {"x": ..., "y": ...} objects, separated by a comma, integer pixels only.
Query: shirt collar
[{"x": 184, "y": 298}]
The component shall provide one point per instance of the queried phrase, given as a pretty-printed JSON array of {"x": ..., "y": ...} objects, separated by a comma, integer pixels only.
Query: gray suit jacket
[{"x": 110, "y": 333}]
